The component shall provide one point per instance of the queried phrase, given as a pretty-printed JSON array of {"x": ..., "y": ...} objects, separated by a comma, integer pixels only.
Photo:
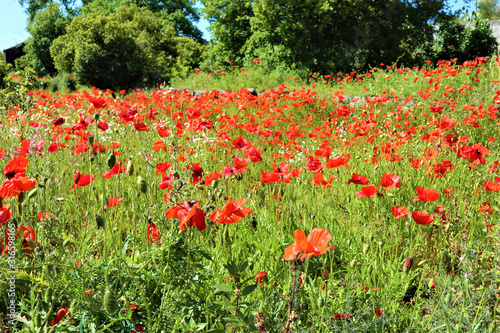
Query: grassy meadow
[{"x": 357, "y": 202}]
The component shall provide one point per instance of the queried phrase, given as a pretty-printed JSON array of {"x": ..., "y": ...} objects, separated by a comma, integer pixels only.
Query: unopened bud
[
  {"x": 407, "y": 264},
  {"x": 130, "y": 168},
  {"x": 143, "y": 186},
  {"x": 365, "y": 248},
  {"x": 99, "y": 220}
]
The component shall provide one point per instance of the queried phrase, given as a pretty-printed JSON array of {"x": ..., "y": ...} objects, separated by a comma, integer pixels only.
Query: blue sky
[{"x": 13, "y": 20}]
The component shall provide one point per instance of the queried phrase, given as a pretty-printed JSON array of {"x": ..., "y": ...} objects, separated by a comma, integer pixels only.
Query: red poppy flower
[
  {"x": 162, "y": 167},
  {"x": 154, "y": 234},
  {"x": 166, "y": 180},
  {"x": 254, "y": 154},
  {"x": 477, "y": 152},
  {"x": 422, "y": 217},
  {"x": 239, "y": 163},
  {"x": 399, "y": 212},
  {"x": 319, "y": 178},
  {"x": 58, "y": 122},
  {"x": 141, "y": 127},
  {"x": 5, "y": 214},
  {"x": 314, "y": 245},
  {"x": 97, "y": 102},
  {"x": 28, "y": 235},
  {"x": 314, "y": 164},
  {"x": 188, "y": 214},
  {"x": 197, "y": 173},
  {"x": 159, "y": 145},
  {"x": 211, "y": 177},
  {"x": 358, "y": 179},
  {"x": 367, "y": 191},
  {"x": 12, "y": 187},
  {"x": 61, "y": 313},
  {"x": 117, "y": 169},
  {"x": 260, "y": 277},
  {"x": 425, "y": 194},
  {"x": 102, "y": 126},
  {"x": 390, "y": 181},
  {"x": 341, "y": 316},
  {"x": 241, "y": 143},
  {"x": 114, "y": 201},
  {"x": 81, "y": 180},
  {"x": 232, "y": 212},
  {"x": 488, "y": 185},
  {"x": 53, "y": 148},
  {"x": 335, "y": 162},
  {"x": 16, "y": 166}
]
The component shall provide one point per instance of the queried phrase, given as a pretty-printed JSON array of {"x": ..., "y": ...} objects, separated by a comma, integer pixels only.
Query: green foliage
[
  {"x": 230, "y": 27},
  {"x": 16, "y": 89},
  {"x": 488, "y": 10},
  {"x": 180, "y": 13},
  {"x": 463, "y": 42},
  {"x": 46, "y": 26},
  {"x": 324, "y": 36},
  {"x": 189, "y": 56},
  {"x": 122, "y": 50},
  {"x": 4, "y": 70}
]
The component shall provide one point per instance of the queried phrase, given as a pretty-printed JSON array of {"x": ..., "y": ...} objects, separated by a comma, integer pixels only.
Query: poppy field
[{"x": 362, "y": 202}]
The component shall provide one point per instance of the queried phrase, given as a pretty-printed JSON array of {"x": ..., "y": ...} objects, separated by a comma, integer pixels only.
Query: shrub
[
  {"x": 4, "y": 70},
  {"x": 123, "y": 50}
]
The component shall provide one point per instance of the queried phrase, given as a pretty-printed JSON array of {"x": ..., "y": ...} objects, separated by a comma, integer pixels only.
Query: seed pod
[
  {"x": 32, "y": 193},
  {"x": 100, "y": 220},
  {"x": 20, "y": 197},
  {"x": 47, "y": 298},
  {"x": 143, "y": 186},
  {"x": 109, "y": 302},
  {"x": 91, "y": 139},
  {"x": 352, "y": 264},
  {"x": 130, "y": 168},
  {"x": 321, "y": 302},
  {"x": 365, "y": 249},
  {"x": 111, "y": 160},
  {"x": 407, "y": 264}
]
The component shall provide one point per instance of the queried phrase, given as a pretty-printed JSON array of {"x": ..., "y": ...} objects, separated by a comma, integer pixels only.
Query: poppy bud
[
  {"x": 47, "y": 298},
  {"x": 91, "y": 139},
  {"x": 111, "y": 160},
  {"x": 143, "y": 186},
  {"x": 109, "y": 302},
  {"x": 352, "y": 264},
  {"x": 91, "y": 159},
  {"x": 130, "y": 168},
  {"x": 365, "y": 249},
  {"x": 214, "y": 184},
  {"x": 96, "y": 116},
  {"x": 407, "y": 264},
  {"x": 100, "y": 220},
  {"x": 20, "y": 197},
  {"x": 321, "y": 302},
  {"x": 325, "y": 274},
  {"x": 32, "y": 193},
  {"x": 431, "y": 283},
  {"x": 381, "y": 243},
  {"x": 238, "y": 176},
  {"x": 40, "y": 253}
]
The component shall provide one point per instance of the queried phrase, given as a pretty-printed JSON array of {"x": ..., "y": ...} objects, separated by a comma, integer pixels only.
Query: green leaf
[
  {"x": 223, "y": 287},
  {"x": 248, "y": 289}
]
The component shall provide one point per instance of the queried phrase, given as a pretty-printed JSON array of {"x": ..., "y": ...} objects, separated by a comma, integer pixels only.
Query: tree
[
  {"x": 47, "y": 25},
  {"x": 182, "y": 13},
  {"x": 322, "y": 35},
  {"x": 488, "y": 9},
  {"x": 230, "y": 28},
  {"x": 126, "y": 49}
]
